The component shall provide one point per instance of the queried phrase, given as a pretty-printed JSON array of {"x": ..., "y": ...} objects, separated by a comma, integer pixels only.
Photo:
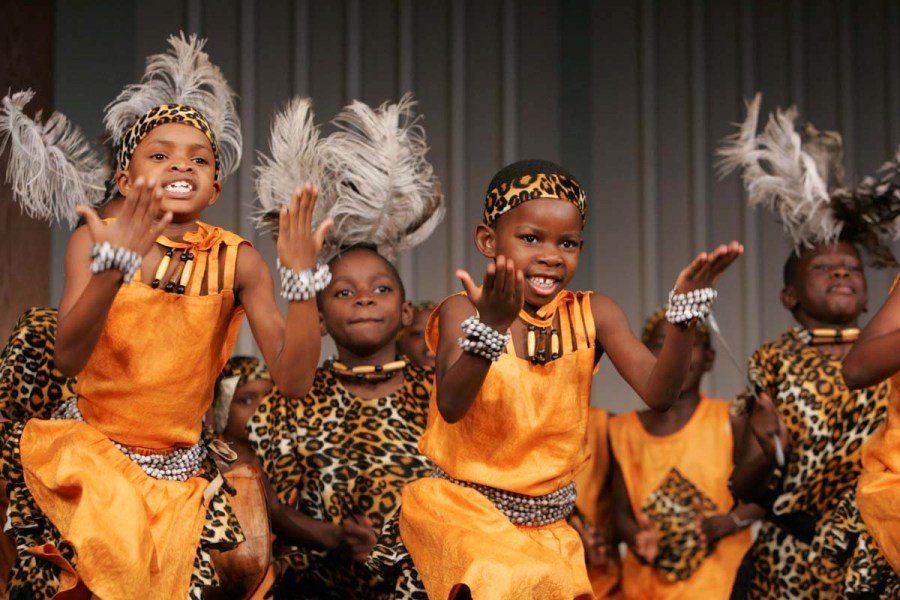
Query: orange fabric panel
[
  {"x": 150, "y": 378},
  {"x": 130, "y": 531},
  {"x": 456, "y": 536},
  {"x": 703, "y": 452}
]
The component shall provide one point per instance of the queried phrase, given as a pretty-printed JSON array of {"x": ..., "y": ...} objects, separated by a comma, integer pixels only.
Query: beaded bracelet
[
  {"x": 482, "y": 340},
  {"x": 303, "y": 285},
  {"x": 105, "y": 256},
  {"x": 695, "y": 305}
]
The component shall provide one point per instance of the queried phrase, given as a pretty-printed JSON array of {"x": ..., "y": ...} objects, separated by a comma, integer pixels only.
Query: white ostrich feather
[
  {"x": 183, "y": 75},
  {"x": 295, "y": 158},
  {"x": 781, "y": 176},
  {"x": 385, "y": 190},
  {"x": 51, "y": 168}
]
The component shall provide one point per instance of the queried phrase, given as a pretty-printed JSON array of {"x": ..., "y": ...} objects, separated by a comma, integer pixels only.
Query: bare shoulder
[
  {"x": 80, "y": 238},
  {"x": 608, "y": 315},
  {"x": 455, "y": 309},
  {"x": 250, "y": 268}
]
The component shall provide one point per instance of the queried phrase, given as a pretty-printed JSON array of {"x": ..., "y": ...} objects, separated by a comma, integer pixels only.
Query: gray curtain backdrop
[{"x": 630, "y": 96}]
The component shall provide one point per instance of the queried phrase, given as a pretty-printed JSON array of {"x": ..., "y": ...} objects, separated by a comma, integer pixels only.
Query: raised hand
[
  {"x": 298, "y": 244},
  {"x": 138, "y": 224},
  {"x": 766, "y": 424},
  {"x": 646, "y": 541},
  {"x": 705, "y": 270},
  {"x": 500, "y": 297}
]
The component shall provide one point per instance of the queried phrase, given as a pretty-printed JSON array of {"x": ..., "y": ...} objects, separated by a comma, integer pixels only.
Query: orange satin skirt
[
  {"x": 134, "y": 536},
  {"x": 457, "y": 537}
]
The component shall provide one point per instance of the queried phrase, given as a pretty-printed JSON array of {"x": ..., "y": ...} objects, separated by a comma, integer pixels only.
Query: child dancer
[
  {"x": 240, "y": 388},
  {"x": 343, "y": 453},
  {"x": 803, "y": 415},
  {"x": 670, "y": 478},
  {"x": 412, "y": 338},
  {"x": 506, "y": 431},
  {"x": 147, "y": 344}
]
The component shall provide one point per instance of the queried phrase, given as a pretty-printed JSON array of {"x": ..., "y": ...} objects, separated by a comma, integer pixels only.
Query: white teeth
[
  {"x": 180, "y": 186},
  {"x": 542, "y": 282}
]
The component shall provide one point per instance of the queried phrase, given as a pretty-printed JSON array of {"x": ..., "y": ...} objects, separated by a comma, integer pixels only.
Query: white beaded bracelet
[
  {"x": 303, "y": 285},
  {"x": 105, "y": 256},
  {"x": 695, "y": 305},
  {"x": 482, "y": 340}
]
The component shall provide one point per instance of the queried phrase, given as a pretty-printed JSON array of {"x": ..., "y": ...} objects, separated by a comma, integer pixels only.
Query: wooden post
[{"x": 26, "y": 61}]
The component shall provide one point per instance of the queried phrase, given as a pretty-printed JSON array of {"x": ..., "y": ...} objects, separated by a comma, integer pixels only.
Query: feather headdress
[
  {"x": 798, "y": 175},
  {"x": 373, "y": 175},
  {"x": 51, "y": 167},
  {"x": 295, "y": 157},
  {"x": 386, "y": 192},
  {"x": 183, "y": 75}
]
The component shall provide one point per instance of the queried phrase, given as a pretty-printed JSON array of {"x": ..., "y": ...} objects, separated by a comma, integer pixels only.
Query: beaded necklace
[
  {"x": 825, "y": 336},
  {"x": 542, "y": 342},
  {"x": 181, "y": 275},
  {"x": 370, "y": 373}
]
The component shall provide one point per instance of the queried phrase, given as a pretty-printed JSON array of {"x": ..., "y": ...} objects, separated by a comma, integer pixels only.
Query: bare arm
[
  {"x": 755, "y": 453},
  {"x": 87, "y": 297},
  {"x": 289, "y": 346},
  {"x": 637, "y": 532},
  {"x": 458, "y": 374},
  {"x": 658, "y": 381},
  {"x": 875, "y": 357}
]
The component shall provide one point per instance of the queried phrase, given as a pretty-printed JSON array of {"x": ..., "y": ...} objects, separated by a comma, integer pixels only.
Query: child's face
[
  {"x": 245, "y": 402},
  {"x": 362, "y": 307},
  {"x": 180, "y": 159},
  {"x": 412, "y": 340},
  {"x": 702, "y": 356},
  {"x": 829, "y": 285},
  {"x": 543, "y": 238}
]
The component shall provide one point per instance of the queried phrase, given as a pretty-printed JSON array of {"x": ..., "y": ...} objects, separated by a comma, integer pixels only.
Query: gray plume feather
[
  {"x": 295, "y": 158},
  {"x": 385, "y": 190},
  {"x": 781, "y": 175},
  {"x": 183, "y": 75},
  {"x": 52, "y": 168}
]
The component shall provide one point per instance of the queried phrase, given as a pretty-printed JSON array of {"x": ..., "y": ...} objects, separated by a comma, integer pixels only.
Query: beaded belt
[
  {"x": 179, "y": 464},
  {"x": 529, "y": 511}
]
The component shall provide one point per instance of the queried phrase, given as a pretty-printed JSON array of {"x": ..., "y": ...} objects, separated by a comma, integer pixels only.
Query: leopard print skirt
[{"x": 33, "y": 577}]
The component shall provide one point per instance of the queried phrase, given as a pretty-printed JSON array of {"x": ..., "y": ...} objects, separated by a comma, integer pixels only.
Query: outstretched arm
[
  {"x": 875, "y": 357},
  {"x": 658, "y": 381},
  {"x": 87, "y": 297},
  {"x": 290, "y": 346}
]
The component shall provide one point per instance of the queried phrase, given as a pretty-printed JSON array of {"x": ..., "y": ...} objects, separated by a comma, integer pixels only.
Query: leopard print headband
[
  {"x": 160, "y": 115},
  {"x": 505, "y": 194}
]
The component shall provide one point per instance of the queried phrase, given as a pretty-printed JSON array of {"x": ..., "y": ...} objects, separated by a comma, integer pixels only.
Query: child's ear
[
  {"x": 322, "y": 330},
  {"x": 709, "y": 359},
  {"x": 406, "y": 314},
  {"x": 789, "y": 298},
  {"x": 486, "y": 240},
  {"x": 123, "y": 182},
  {"x": 217, "y": 191}
]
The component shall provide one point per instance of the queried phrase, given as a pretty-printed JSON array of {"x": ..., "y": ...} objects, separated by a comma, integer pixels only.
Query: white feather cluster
[
  {"x": 183, "y": 75},
  {"x": 51, "y": 166},
  {"x": 373, "y": 175},
  {"x": 781, "y": 176}
]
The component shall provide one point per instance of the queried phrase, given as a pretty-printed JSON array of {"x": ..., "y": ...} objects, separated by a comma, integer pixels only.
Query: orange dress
[
  {"x": 524, "y": 433},
  {"x": 595, "y": 501},
  {"x": 878, "y": 493},
  {"x": 663, "y": 473},
  {"x": 146, "y": 385}
]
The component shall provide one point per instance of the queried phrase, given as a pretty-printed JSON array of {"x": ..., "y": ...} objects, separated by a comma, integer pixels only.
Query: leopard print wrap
[
  {"x": 507, "y": 195},
  {"x": 160, "y": 115},
  {"x": 670, "y": 508},
  {"x": 828, "y": 424},
  {"x": 332, "y": 453}
]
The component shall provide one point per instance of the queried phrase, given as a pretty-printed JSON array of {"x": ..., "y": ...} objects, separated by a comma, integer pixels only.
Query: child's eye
[
  {"x": 383, "y": 289},
  {"x": 342, "y": 294},
  {"x": 529, "y": 239},
  {"x": 200, "y": 161},
  {"x": 570, "y": 244},
  {"x": 158, "y": 156}
]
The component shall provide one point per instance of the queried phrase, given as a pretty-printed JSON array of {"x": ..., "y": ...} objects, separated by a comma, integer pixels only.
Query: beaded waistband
[
  {"x": 527, "y": 511},
  {"x": 179, "y": 464}
]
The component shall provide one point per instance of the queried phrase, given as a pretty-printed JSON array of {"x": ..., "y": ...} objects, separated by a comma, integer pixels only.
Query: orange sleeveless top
[
  {"x": 526, "y": 430},
  {"x": 150, "y": 378}
]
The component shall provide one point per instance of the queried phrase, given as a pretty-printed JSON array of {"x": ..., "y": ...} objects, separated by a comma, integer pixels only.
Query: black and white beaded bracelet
[
  {"x": 695, "y": 305},
  {"x": 302, "y": 285},
  {"x": 482, "y": 340},
  {"x": 105, "y": 256}
]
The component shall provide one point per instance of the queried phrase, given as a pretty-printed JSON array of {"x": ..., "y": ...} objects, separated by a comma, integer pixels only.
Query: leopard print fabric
[
  {"x": 331, "y": 454},
  {"x": 30, "y": 387},
  {"x": 509, "y": 194},
  {"x": 827, "y": 424},
  {"x": 670, "y": 508}
]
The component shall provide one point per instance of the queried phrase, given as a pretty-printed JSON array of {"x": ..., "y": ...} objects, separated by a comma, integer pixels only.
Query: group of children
[{"x": 446, "y": 451}]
